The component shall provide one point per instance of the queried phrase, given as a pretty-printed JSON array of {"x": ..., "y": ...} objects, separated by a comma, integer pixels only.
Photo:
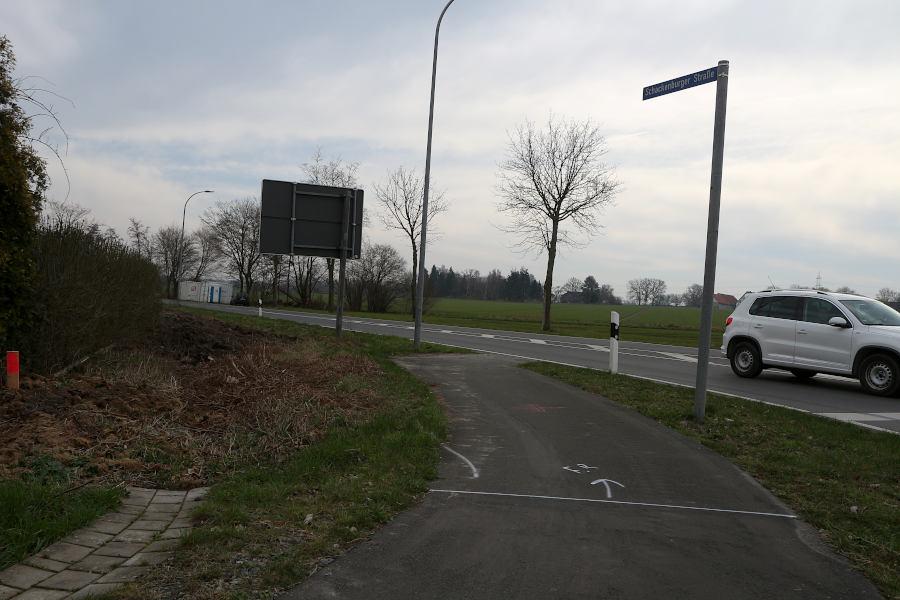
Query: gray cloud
[{"x": 173, "y": 96}]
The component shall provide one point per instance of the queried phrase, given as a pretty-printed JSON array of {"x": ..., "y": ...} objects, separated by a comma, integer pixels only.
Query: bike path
[{"x": 546, "y": 491}]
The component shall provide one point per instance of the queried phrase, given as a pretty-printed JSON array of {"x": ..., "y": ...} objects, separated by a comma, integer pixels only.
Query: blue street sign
[{"x": 681, "y": 83}]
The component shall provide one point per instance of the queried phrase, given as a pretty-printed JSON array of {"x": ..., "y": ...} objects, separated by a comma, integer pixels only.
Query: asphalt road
[
  {"x": 548, "y": 492},
  {"x": 833, "y": 397}
]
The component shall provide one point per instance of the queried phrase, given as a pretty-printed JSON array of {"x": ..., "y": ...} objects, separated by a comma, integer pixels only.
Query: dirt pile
[{"x": 199, "y": 398}]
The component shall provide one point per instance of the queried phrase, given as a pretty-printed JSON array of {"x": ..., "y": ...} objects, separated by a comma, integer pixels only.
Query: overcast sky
[{"x": 173, "y": 97}]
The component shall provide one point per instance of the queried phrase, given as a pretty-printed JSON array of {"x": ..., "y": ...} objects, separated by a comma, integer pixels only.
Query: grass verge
[
  {"x": 268, "y": 526},
  {"x": 34, "y": 514},
  {"x": 842, "y": 479}
]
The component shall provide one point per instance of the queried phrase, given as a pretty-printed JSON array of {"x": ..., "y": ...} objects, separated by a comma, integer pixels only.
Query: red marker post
[{"x": 12, "y": 369}]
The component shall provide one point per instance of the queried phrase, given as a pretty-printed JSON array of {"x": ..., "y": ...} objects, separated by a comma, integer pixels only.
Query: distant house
[
  {"x": 724, "y": 302},
  {"x": 572, "y": 298}
]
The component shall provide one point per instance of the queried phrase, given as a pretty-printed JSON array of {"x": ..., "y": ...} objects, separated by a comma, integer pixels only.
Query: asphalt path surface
[
  {"x": 547, "y": 492},
  {"x": 833, "y": 397}
]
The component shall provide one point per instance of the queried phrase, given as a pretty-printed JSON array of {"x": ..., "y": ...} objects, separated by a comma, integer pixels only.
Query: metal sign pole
[
  {"x": 339, "y": 319},
  {"x": 712, "y": 242}
]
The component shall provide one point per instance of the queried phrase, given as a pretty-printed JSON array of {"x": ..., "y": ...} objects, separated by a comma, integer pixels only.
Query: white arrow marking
[{"x": 606, "y": 483}]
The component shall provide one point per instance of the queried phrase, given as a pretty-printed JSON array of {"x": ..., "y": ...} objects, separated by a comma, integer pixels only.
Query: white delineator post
[
  {"x": 614, "y": 342},
  {"x": 260, "y": 307}
]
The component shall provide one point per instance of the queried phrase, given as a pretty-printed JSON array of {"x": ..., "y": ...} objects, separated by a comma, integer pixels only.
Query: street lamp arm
[{"x": 181, "y": 240}]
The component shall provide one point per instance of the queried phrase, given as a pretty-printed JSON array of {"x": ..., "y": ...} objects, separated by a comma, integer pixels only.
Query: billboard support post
[{"x": 342, "y": 272}]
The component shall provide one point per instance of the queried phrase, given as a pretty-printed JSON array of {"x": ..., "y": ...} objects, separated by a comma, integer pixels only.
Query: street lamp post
[
  {"x": 420, "y": 284},
  {"x": 181, "y": 240}
]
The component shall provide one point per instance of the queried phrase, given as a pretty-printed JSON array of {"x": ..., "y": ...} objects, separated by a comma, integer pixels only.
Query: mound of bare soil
[{"x": 199, "y": 398}]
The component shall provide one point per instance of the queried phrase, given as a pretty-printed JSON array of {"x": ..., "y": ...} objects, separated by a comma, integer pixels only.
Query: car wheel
[
  {"x": 879, "y": 374},
  {"x": 745, "y": 360},
  {"x": 803, "y": 373}
]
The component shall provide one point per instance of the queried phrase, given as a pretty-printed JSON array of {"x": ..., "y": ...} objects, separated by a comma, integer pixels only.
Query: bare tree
[
  {"x": 400, "y": 198},
  {"x": 551, "y": 177},
  {"x": 334, "y": 172},
  {"x": 274, "y": 271},
  {"x": 208, "y": 252},
  {"x": 647, "y": 290},
  {"x": 236, "y": 227},
  {"x": 174, "y": 255},
  {"x": 573, "y": 284},
  {"x": 845, "y": 290},
  {"x": 887, "y": 294},
  {"x": 693, "y": 296},
  {"x": 67, "y": 215},
  {"x": 378, "y": 277},
  {"x": 307, "y": 273},
  {"x": 139, "y": 238}
]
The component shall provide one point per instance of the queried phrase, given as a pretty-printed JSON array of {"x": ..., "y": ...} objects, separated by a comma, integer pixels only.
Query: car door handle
[
  {"x": 757, "y": 326},
  {"x": 802, "y": 332}
]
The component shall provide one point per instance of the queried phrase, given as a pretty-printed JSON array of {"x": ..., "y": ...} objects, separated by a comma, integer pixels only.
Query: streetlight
[
  {"x": 420, "y": 284},
  {"x": 181, "y": 240}
]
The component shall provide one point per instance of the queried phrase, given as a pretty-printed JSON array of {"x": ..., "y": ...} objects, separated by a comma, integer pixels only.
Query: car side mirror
[{"x": 838, "y": 322}]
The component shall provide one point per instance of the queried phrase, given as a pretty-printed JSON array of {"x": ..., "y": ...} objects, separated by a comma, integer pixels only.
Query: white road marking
[
  {"x": 536, "y": 341},
  {"x": 606, "y": 483},
  {"x": 463, "y": 458},
  {"x": 892, "y": 415},
  {"x": 600, "y": 348},
  {"x": 487, "y": 335},
  {"x": 622, "y": 502},
  {"x": 677, "y": 356},
  {"x": 849, "y": 416}
]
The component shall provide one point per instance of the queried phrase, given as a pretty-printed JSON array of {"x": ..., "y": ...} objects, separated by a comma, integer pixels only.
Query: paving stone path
[{"x": 113, "y": 550}]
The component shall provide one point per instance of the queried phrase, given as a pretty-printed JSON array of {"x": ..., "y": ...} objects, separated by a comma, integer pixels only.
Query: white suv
[{"x": 809, "y": 332}]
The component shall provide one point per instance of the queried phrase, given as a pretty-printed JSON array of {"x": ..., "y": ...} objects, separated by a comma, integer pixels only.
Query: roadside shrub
[{"x": 90, "y": 290}]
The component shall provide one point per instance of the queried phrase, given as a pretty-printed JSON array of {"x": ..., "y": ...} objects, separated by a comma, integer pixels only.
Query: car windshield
[{"x": 870, "y": 312}]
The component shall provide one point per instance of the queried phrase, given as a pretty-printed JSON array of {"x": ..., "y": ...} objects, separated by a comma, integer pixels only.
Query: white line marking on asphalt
[
  {"x": 600, "y": 348},
  {"x": 623, "y": 502},
  {"x": 487, "y": 335},
  {"x": 464, "y": 459},
  {"x": 849, "y": 416},
  {"x": 893, "y": 416},
  {"x": 678, "y": 356},
  {"x": 536, "y": 341},
  {"x": 606, "y": 483}
]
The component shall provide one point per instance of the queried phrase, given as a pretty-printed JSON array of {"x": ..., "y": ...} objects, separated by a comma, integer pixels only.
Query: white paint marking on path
[
  {"x": 623, "y": 502},
  {"x": 606, "y": 483},
  {"x": 486, "y": 335},
  {"x": 537, "y": 341},
  {"x": 463, "y": 458},
  {"x": 600, "y": 348}
]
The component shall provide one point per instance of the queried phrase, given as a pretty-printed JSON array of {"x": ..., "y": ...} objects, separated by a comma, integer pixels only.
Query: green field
[{"x": 678, "y": 326}]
